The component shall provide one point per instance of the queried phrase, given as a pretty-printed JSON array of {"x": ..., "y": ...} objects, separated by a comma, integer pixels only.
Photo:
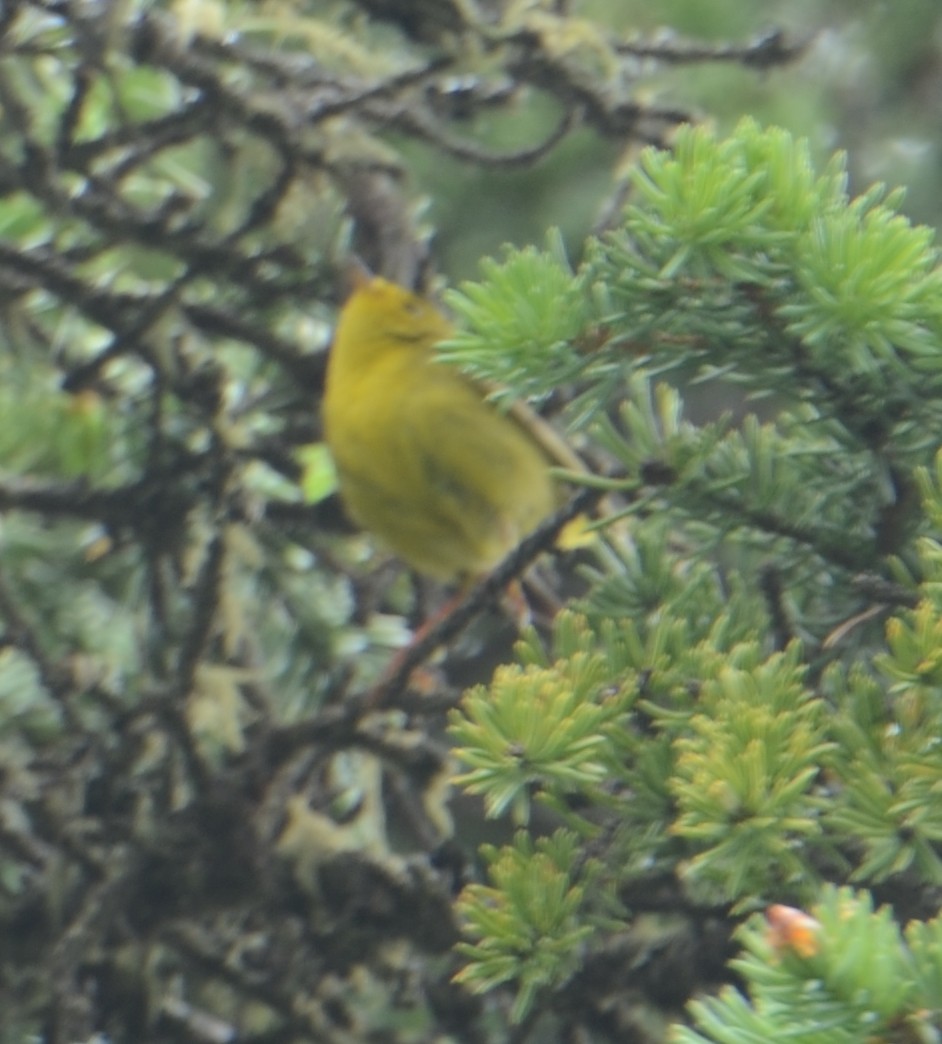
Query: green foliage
[
  {"x": 889, "y": 788},
  {"x": 530, "y": 925},
  {"x": 48, "y": 432},
  {"x": 319, "y": 478},
  {"x": 865, "y": 979},
  {"x": 736, "y": 260},
  {"x": 767, "y": 609},
  {"x": 545, "y": 309},
  {"x": 744, "y": 778},
  {"x": 543, "y": 728}
]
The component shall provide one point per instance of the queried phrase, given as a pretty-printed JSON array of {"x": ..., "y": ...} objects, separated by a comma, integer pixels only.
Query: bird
[{"x": 424, "y": 461}]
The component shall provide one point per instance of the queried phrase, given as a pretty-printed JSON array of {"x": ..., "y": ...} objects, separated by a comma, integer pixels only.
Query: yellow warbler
[{"x": 425, "y": 463}]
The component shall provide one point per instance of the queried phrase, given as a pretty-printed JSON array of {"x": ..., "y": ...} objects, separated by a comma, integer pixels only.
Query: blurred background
[{"x": 868, "y": 82}]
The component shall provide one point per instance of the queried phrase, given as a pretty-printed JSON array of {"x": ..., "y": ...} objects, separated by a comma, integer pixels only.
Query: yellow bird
[{"x": 424, "y": 461}]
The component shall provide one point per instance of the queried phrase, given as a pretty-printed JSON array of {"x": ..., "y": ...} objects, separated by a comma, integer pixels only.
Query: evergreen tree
[{"x": 700, "y": 799}]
